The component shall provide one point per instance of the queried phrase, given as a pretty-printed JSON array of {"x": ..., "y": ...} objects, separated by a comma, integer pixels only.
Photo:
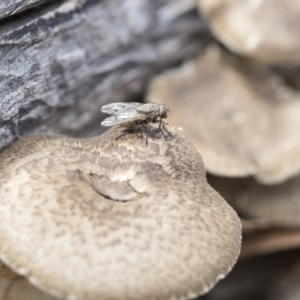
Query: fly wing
[
  {"x": 122, "y": 117},
  {"x": 113, "y": 108}
]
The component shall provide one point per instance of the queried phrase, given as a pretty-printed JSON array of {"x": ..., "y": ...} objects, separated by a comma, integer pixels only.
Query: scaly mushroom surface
[
  {"x": 267, "y": 30},
  {"x": 110, "y": 217},
  {"x": 243, "y": 119}
]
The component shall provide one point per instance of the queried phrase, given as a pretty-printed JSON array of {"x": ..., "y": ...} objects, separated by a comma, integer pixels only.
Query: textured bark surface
[
  {"x": 9, "y": 7},
  {"x": 62, "y": 60}
]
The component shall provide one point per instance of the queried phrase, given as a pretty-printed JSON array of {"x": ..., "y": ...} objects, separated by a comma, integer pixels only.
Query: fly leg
[
  {"x": 160, "y": 128},
  {"x": 147, "y": 132},
  {"x": 127, "y": 130},
  {"x": 163, "y": 127},
  {"x": 118, "y": 137}
]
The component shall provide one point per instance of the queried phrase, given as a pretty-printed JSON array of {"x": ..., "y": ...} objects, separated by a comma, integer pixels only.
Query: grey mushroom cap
[
  {"x": 110, "y": 217},
  {"x": 243, "y": 119},
  {"x": 266, "y": 30}
]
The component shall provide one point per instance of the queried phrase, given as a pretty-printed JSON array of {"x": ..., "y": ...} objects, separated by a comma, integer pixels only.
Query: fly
[{"x": 132, "y": 114}]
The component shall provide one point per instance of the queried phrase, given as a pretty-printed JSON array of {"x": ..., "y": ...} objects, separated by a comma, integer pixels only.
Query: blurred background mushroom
[
  {"x": 271, "y": 205},
  {"x": 267, "y": 30},
  {"x": 243, "y": 115},
  {"x": 132, "y": 221},
  {"x": 243, "y": 119}
]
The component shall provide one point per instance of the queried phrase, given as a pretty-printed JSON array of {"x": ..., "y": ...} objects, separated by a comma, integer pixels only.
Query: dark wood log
[{"x": 62, "y": 60}]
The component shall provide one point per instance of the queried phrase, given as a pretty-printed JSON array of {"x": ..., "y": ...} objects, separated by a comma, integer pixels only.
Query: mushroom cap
[
  {"x": 110, "y": 217},
  {"x": 242, "y": 118},
  {"x": 267, "y": 30}
]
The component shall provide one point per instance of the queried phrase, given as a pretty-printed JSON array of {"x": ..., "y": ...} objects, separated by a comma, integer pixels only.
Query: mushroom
[
  {"x": 110, "y": 217},
  {"x": 228, "y": 188},
  {"x": 270, "y": 206},
  {"x": 243, "y": 119},
  {"x": 261, "y": 206},
  {"x": 266, "y": 30}
]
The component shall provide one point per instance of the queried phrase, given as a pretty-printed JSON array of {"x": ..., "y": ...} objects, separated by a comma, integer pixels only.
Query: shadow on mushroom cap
[
  {"x": 242, "y": 118},
  {"x": 249, "y": 27},
  {"x": 107, "y": 218}
]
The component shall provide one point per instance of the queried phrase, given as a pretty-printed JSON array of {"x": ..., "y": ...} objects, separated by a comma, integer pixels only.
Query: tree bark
[
  {"x": 62, "y": 60},
  {"x": 9, "y": 7}
]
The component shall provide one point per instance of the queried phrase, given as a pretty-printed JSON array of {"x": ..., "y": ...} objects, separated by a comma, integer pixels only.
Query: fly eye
[{"x": 163, "y": 114}]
